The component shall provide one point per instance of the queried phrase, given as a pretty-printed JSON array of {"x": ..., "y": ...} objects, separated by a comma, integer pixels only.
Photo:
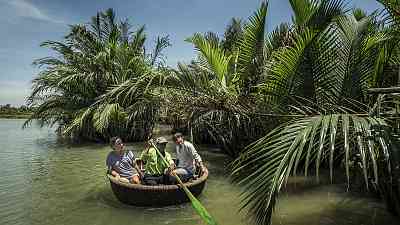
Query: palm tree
[
  {"x": 92, "y": 59},
  {"x": 214, "y": 89},
  {"x": 222, "y": 109},
  {"x": 233, "y": 33},
  {"x": 305, "y": 85},
  {"x": 323, "y": 75},
  {"x": 242, "y": 71}
]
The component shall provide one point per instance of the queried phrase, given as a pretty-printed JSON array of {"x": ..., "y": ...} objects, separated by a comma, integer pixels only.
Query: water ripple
[{"x": 48, "y": 182}]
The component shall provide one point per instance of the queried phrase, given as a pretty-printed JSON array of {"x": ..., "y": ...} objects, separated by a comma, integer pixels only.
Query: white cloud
[{"x": 23, "y": 8}]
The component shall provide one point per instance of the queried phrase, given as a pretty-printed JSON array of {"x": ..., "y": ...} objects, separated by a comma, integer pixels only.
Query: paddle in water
[{"x": 199, "y": 208}]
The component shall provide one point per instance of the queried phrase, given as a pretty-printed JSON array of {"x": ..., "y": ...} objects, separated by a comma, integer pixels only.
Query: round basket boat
[{"x": 160, "y": 195}]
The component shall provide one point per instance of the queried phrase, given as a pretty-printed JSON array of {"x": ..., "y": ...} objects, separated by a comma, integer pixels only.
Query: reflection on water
[{"x": 45, "y": 182}]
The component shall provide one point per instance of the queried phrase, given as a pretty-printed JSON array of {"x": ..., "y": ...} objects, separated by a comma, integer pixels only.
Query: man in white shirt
[{"x": 187, "y": 157}]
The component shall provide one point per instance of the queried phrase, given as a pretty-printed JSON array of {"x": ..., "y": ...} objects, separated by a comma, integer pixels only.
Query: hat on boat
[{"x": 161, "y": 140}]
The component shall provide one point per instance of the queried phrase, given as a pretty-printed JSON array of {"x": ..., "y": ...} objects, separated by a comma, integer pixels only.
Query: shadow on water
[
  {"x": 328, "y": 205},
  {"x": 102, "y": 195},
  {"x": 103, "y": 198}
]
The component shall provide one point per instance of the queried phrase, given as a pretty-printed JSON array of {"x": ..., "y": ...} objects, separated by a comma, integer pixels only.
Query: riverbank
[
  {"x": 12, "y": 112},
  {"x": 14, "y": 116}
]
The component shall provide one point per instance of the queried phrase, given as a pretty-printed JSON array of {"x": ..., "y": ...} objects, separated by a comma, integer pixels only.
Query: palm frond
[
  {"x": 107, "y": 115},
  {"x": 251, "y": 48},
  {"x": 283, "y": 71},
  {"x": 91, "y": 63},
  {"x": 303, "y": 11},
  {"x": 393, "y": 8},
  {"x": 217, "y": 61},
  {"x": 161, "y": 44},
  {"x": 269, "y": 161},
  {"x": 327, "y": 11}
]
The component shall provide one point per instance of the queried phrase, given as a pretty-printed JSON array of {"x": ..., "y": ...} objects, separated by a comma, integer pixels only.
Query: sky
[{"x": 24, "y": 24}]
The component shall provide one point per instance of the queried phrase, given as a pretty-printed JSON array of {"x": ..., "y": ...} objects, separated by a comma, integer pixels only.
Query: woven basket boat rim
[{"x": 199, "y": 180}]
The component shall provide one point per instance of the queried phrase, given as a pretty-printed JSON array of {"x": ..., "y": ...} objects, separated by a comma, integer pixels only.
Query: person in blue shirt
[{"x": 121, "y": 163}]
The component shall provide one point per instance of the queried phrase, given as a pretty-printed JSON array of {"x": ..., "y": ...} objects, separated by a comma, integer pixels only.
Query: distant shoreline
[
  {"x": 15, "y": 116},
  {"x": 11, "y": 112}
]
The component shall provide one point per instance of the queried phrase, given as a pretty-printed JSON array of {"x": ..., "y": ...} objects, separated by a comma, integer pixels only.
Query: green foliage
[
  {"x": 89, "y": 62},
  {"x": 8, "y": 111},
  {"x": 251, "y": 51},
  {"x": 248, "y": 86},
  {"x": 316, "y": 14},
  {"x": 298, "y": 95},
  {"x": 321, "y": 71},
  {"x": 298, "y": 145},
  {"x": 359, "y": 14},
  {"x": 219, "y": 104},
  {"x": 393, "y": 9},
  {"x": 233, "y": 33},
  {"x": 216, "y": 60}
]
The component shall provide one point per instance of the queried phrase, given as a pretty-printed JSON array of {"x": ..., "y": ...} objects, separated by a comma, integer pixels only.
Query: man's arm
[
  {"x": 169, "y": 160},
  {"x": 111, "y": 169},
  {"x": 194, "y": 153},
  {"x": 196, "y": 156},
  {"x": 134, "y": 164},
  {"x": 171, "y": 165},
  {"x": 145, "y": 154},
  {"x": 115, "y": 174}
]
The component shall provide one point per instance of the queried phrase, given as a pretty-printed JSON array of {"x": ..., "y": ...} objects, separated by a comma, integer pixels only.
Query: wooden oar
[{"x": 199, "y": 208}]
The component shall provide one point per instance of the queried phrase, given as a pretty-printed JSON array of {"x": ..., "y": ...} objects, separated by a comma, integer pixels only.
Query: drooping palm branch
[
  {"x": 301, "y": 145},
  {"x": 91, "y": 60}
]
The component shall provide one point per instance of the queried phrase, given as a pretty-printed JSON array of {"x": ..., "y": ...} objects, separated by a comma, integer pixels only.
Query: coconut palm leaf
[
  {"x": 232, "y": 35},
  {"x": 316, "y": 14},
  {"x": 303, "y": 11},
  {"x": 358, "y": 55},
  {"x": 283, "y": 71},
  {"x": 92, "y": 60},
  {"x": 81, "y": 121},
  {"x": 326, "y": 12},
  {"x": 161, "y": 44},
  {"x": 325, "y": 65},
  {"x": 217, "y": 61},
  {"x": 393, "y": 8},
  {"x": 251, "y": 54},
  {"x": 278, "y": 38},
  {"x": 107, "y": 115},
  {"x": 269, "y": 161}
]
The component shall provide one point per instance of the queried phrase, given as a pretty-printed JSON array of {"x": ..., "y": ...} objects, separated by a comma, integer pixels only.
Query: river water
[{"x": 47, "y": 182}]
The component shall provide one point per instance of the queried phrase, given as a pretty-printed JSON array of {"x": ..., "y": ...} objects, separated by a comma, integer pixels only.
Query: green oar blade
[{"x": 198, "y": 207}]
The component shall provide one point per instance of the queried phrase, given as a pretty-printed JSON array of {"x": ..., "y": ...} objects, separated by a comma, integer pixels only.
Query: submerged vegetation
[{"x": 289, "y": 102}]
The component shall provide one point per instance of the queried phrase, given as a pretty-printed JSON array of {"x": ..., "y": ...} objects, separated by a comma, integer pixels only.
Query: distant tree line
[{"x": 9, "y": 111}]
